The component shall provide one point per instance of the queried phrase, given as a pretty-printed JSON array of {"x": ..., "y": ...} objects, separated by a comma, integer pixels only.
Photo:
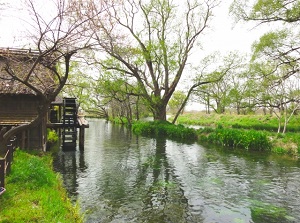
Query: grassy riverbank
[
  {"x": 288, "y": 143},
  {"x": 248, "y": 132},
  {"x": 257, "y": 122},
  {"x": 34, "y": 193}
]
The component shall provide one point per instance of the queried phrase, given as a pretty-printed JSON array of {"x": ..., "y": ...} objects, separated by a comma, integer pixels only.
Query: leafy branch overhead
[{"x": 265, "y": 11}]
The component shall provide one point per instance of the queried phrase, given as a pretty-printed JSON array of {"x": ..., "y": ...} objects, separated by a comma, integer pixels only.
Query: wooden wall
[{"x": 20, "y": 109}]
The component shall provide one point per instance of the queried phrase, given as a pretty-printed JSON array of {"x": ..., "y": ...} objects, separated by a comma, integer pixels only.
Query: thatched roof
[{"x": 20, "y": 61}]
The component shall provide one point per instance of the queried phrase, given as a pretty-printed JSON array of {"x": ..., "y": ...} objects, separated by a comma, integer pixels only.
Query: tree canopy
[
  {"x": 265, "y": 11},
  {"x": 148, "y": 42}
]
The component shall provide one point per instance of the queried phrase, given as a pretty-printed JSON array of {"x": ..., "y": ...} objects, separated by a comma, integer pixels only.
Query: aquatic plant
[
  {"x": 236, "y": 138},
  {"x": 163, "y": 128},
  {"x": 265, "y": 212}
]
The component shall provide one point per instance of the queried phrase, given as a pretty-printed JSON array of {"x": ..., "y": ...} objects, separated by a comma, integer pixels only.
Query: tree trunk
[
  {"x": 160, "y": 113},
  {"x": 279, "y": 126},
  {"x": 238, "y": 109},
  {"x": 137, "y": 110},
  {"x": 219, "y": 107}
]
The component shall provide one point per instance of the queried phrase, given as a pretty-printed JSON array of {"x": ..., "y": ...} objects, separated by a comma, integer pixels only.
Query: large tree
[
  {"x": 45, "y": 69},
  {"x": 149, "y": 42}
]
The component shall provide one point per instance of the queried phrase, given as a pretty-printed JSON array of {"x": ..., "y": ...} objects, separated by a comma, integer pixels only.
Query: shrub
[
  {"x": 250, "y": 140},
  {"x": 52, "y": 136},
  {"x": 163, "y": 128}
]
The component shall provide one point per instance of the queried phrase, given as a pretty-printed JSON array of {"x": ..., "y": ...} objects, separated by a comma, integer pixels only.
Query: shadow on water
[
  {"x": 70, "y": 164},
  {"x": 121, "y": 177}
]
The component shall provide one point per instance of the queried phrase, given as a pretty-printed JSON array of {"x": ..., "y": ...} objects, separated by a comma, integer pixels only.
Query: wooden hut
[{"x": 18, "y": 103}]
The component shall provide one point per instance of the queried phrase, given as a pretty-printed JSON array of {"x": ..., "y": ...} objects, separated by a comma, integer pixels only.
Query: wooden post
[
  {"x": 13, "y": 143},
  {"x": 9, "y": 158},
  {"x": 81, "y": 138},
  {"x": 2, "y": 172}
]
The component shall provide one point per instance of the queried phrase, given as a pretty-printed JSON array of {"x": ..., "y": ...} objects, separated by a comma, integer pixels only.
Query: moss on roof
[{"x": 19, "y": 62}]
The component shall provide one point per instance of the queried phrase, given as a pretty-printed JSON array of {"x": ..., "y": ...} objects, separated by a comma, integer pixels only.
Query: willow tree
[{"x": 149, "y": 42}]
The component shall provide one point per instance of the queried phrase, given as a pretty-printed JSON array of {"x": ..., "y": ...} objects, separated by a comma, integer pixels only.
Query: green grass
[
  {"x": 163, "y": 128},
  {"x": 257, "y": 122},
  {"x": 236, "y": 138},
  {"x": 233, "y": 138},
  {"x": 34, "y": 193},
  {"x": 288, "y": 143}
]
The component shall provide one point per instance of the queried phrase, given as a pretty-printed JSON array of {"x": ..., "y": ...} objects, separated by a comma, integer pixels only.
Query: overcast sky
[
  {"x": 229, "y": 36},
  {"x": 224, "y": 34}
]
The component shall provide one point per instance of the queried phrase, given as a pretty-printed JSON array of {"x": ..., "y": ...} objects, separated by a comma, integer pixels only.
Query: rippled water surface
[{"x": 121, "y": 177}]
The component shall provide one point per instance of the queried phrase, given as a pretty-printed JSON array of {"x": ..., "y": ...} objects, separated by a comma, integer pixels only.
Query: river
[{"x": 121, "y": 177}]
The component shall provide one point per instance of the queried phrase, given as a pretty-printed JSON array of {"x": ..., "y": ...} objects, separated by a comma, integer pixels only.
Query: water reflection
[
  {"x": 121, "y": 177},
  {"x": 71, "y": 165}
]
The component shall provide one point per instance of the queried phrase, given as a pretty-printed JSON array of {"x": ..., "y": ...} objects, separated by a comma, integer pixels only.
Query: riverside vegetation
[
  {"x": 38, "y": 196},
  {"x": 249, "y": 132},
  {"x": 34, "y": 192}
]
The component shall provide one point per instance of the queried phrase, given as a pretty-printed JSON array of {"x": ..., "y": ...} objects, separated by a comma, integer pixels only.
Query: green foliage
[
  {"x": 177, "y": 100},
  {"x": 31, "y": 171},
  {"x": 271, "y": 10},
  {"x": 256, "y": 127},
  {"x": 52, "y": 136},
  {"x": 80, "y": 85},
  {"x": 290, "y": 141},
  {"x": 269, "y": 41},
  {"x": 34, "y": 193},
  {"x": 163, "y": 128},
  {"x": 267, "y": 7},
  {"x": 234, "y": 138},
  {"x": 279, "y": 150},
  {"x": 266, "y": 10},
  {"x": 256, "y": 122},
  {"x": 264, "y": 212}
]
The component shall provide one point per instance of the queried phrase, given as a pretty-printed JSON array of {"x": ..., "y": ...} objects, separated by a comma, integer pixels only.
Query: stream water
[{"x": 121, "y": 177}]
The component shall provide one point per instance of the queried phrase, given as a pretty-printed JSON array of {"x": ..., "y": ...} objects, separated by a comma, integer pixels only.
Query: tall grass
[
  {"x": 288, "y": 143},
  {"x": 235, "y": 138},
  {"x": 34, "y": 193},
  {"x": 161, "y": 128}
]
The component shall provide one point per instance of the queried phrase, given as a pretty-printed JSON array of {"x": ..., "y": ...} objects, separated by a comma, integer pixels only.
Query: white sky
[
  {"x": 227, "y": 36},
  {"x": 224, "y": 35}
]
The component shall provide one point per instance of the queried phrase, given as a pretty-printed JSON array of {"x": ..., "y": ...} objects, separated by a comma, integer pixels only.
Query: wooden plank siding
[
  {"x": 22, "y": 109},
  {"x": 17, "y": 109}
]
